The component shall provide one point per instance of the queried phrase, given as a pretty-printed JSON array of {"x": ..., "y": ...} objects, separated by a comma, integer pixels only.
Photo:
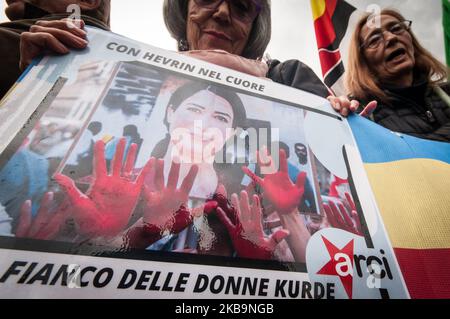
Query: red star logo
[{"x": 340, "y": 265}]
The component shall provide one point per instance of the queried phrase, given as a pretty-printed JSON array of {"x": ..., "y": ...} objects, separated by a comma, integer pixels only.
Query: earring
[{"x": 183, "y": 45}]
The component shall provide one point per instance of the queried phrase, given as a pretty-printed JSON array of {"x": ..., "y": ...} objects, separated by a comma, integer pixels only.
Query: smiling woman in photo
[{"x": 199, "y": 118}]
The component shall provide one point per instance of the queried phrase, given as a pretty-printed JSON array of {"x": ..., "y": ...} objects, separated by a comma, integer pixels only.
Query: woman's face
[
  {"x": 203, "y": 123},
  {"x": 212, "y": 29},
  {"x": 394, "y": 57}
]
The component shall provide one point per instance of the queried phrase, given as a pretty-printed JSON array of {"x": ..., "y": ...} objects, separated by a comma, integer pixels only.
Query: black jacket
[
  {"x": 296, "y": 74},
  {"x": 10, "y": 42},
  {"x": 417, "y": 110}
]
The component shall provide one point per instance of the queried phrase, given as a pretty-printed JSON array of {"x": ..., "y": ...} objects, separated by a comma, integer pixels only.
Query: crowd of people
[{"x": 390, "y": 75}]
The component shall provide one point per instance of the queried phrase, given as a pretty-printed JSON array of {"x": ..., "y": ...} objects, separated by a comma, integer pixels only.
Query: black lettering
[
  {"x": 154, "y": 283},
  {"x": 233, "y": 284},
  {"x": 64, "y": 273},
  {"x": 263, "y": 286},
  {"x": 143, "y": 279},
  {"x": 250, "y": 286},
  {"x": 166, "y": 286},
  {"x": 358, "y": 259},
  {"x": 27, "y": 273},
  {"x": 111, "y": 46},
  {"x": 182, "y": 280},
  {"x": 279, "y": 288},
  {"x": 148, "y": 56},
  {"x": 42, "y": 275},
  {"x": 12, "y": 270},
  {"x": 294, "y": 288},
  {"x": 319, "y": 290},
  {"x": 330, "y": 291},
  {"x": 128, "y": 279},
  {"x": 306, "y": 290},
  {"x": 201, "y": 284},
  {"x": 97, "y": 279},
  {"x": 221, "y": 282},
  {"x": 83, "y": 272}
]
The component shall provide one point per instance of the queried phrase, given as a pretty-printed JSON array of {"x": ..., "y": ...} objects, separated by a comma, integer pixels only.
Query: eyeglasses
[
  {"x": 377, "y": 38},
  {"x": 242, "y": 10}
]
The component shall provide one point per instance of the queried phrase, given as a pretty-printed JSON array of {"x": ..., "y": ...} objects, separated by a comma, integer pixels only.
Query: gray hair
[{"x": 175, "y": 18}]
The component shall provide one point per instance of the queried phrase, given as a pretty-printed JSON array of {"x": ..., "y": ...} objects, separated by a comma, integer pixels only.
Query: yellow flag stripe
[
  {"x": 414, "y": 199},
  {"x": 318, "y": 8}
]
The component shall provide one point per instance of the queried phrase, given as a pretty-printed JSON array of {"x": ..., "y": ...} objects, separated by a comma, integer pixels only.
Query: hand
[
  {"x": 278, "y": 188},
  {"x": 344, "y": 106},
  {"x": 46, "y": 224},
  {"x": 341, "y": 218},
  {"x": 108, "y": 204},
  {"x": 53, "y": 36},
  {"x": 243, "y": 222},
  {"x": 166, "y": 206}
]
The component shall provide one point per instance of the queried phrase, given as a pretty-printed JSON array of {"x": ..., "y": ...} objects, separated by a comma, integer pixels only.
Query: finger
[
  {"x": 70, "y": 25},
  {"x": 330, "y": 216},
  {"x": 350, "y": 201},
  {"x": 334, "y": 101},
  {"x": 131, "y": 158},
  {"x": 34, "y": 44},
  {"x": 174, "y": 174},
  {"x": 272, "y": 223},
  {"x": 283, "y": 161},
  {"x": 43, "y": 215},
  {"x": 354, "y": 104},
  {"x": 118, "y": 158},
  {"x": 159, "y": 174},
  {"x": 225, "y": 220},
  {"x": 347, "y": 218},
  {"x": 301, "y": 178},
  {"x": 145, "y": 171},
  {"x": 237, "y": 208},
  {"x": 210, "y": 206},
  {"x": 279, "y": 235},
  {"x": 68, "y": 186},
  {"x": 369, "y": 109},
  {"x": 252, "y": 175},
  {"x": 263, "y": 157},
  {"x": 65, "y": 37},
  {"x": 188, "y": 181},
  {"x": 99, "y": 161},
  {"x": 337, "y": 216},
  {"x": 54, "y": 224},
  {"x": 221, "y": 190},
  {"x": 79, "y": 23},
  {"x": 24, "y": 219},
  {"x": 245, "y": 207},
  {"x": 256, "y": 209}
]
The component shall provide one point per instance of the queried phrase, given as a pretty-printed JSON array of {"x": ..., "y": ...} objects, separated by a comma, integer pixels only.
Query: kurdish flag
[
  {"x": 446, "y": 25},
  {"x": 410, "y": 179},
  {"x": 331, "y": 19}
]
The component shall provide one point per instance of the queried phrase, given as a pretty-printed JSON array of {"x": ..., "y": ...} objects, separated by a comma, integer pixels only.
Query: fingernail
[
  {"x": 338, "y": 106},
  {"x": 81, "y": 32},
  {"x": 82, "y": 42}
]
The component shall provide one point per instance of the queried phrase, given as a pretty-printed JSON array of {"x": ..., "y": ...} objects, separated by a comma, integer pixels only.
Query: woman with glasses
[
  {"x": 230, "y": 33},
  {"x": 387, "y": 64}
]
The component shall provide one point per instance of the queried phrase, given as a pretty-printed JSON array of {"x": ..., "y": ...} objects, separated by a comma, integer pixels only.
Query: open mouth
[{"x": 396, "y": 54}]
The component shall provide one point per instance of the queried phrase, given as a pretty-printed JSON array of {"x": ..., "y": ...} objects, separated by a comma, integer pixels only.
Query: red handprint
[
  {"x": 340, "y": 218},
  {"x": 243, "y": 222},
  {"x": 165, "y": 206},
  {"x": 277, "y": 187},
  {"x": 106, "y": 207},
  {"x": 46, "y": 224}
]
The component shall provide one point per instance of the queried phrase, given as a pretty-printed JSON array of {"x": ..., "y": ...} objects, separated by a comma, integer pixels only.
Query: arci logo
[{"x": 346, "y": 265}]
